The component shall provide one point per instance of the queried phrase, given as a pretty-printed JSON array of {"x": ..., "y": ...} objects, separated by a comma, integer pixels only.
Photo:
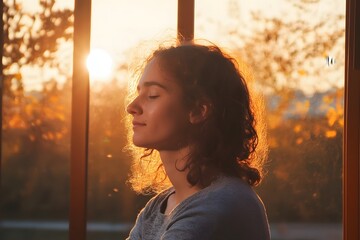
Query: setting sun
[{"x": 99, "y": 64}]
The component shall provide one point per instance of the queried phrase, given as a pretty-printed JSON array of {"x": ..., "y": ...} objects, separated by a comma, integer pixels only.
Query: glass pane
[
  {"x": 36, "y": 119},
  {"x": 119, "y": 29},
  {"x": 293, "y": 53}
]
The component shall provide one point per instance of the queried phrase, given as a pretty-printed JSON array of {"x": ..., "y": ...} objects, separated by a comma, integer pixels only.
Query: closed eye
[{"x": 153, "y": 96}]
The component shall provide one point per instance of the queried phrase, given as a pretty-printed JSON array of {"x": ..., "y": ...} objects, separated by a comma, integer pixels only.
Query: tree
[
  {"x": 35, "y": 124},
  {"x": 305, "y": 133},
  {"x": 30, "y": 39}
]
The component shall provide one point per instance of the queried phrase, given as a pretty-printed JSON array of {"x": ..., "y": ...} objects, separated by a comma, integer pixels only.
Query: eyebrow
[{"x": 153, "y": 83}]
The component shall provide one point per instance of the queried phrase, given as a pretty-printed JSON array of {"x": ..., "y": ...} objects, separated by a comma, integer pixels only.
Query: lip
[{"x": 138, "y": 124}]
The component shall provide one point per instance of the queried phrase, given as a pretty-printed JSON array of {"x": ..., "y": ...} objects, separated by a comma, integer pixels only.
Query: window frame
[
  {"x": 79, "y": 122},
  {"x": 1, "y": 83},
  {"x": 351, "y": 143},
  {"x": 80, "y": 92},
  {"x": 351, "y": 155},
  {"x": 80, "y": 107}
]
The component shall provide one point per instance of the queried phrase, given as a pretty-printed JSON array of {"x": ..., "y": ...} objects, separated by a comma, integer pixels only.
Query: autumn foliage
[{"x": 303, "y": 181}]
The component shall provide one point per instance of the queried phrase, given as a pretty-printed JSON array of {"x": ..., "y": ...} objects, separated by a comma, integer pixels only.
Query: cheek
[{"x": 170, "y": 117}]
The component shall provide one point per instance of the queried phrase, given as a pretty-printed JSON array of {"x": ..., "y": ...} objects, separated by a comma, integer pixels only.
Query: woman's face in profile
[{"x": 160, "y": 119}]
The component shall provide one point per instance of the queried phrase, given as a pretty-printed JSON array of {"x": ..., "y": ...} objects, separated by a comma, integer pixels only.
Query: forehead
[
  {"x": 152, "y": 69},
  {"x": 154, "y": 73}
]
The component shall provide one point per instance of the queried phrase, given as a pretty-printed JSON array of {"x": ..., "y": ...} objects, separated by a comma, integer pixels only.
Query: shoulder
[
  {"x": 226, "y": 197},
  {"x": 230, "y": 193},
  {"x": 238, "y": 200},
  {"x": 227, "y": 208}
]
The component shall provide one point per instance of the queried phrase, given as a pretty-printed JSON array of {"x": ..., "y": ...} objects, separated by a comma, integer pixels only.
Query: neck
[{"x": 174, "y": 162}]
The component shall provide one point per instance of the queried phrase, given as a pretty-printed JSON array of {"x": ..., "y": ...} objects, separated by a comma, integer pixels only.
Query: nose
[{"x": 134, "y": 107}]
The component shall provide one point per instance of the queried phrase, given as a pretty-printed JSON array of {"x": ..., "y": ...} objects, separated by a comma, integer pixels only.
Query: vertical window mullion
[
  {"x": 79, "y": 121},
  {"x": 1, "y": 80},
  {"x": 185, "y": 24},
  {"x": 351, "y": 181}
]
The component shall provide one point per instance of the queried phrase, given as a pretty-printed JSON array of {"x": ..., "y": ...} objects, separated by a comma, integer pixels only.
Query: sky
[{"x": 120, "y": 25}]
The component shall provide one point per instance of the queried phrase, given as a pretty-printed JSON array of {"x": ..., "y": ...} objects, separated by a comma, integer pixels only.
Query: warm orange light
[{"x": 100, "y": 65}]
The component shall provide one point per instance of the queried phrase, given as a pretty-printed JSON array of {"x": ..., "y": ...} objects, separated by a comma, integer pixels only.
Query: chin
[
  {"x": 142, "y": 144},
  {"x": 157, "y": 145}
]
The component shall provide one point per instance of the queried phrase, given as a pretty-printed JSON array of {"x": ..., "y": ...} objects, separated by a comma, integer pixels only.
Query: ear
[{"x": 200, "y": 112}]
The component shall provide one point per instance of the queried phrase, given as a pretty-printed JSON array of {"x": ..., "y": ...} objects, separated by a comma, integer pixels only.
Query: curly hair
[{"x": 226, "y": 141}]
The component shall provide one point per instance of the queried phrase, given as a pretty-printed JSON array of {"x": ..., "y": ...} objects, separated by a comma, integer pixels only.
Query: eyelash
[{"x": 153, "y": 96}]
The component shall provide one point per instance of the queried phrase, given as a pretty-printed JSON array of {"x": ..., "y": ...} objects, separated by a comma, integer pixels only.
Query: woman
[{"x": 193, "y": 119}]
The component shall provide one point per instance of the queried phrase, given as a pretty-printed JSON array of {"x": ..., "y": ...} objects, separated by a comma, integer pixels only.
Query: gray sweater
[{"x": 228, "y": 209}]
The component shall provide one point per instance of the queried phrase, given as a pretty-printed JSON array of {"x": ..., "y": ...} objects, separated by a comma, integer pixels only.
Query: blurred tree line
[
  {"x": 304, "y": 171},
  {"x": 303, "y": 181},
  {"x": 34, "y": 125}
]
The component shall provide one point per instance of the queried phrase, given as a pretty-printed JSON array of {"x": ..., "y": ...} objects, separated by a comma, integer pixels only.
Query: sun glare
[{"x": 100, "y": 65}]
